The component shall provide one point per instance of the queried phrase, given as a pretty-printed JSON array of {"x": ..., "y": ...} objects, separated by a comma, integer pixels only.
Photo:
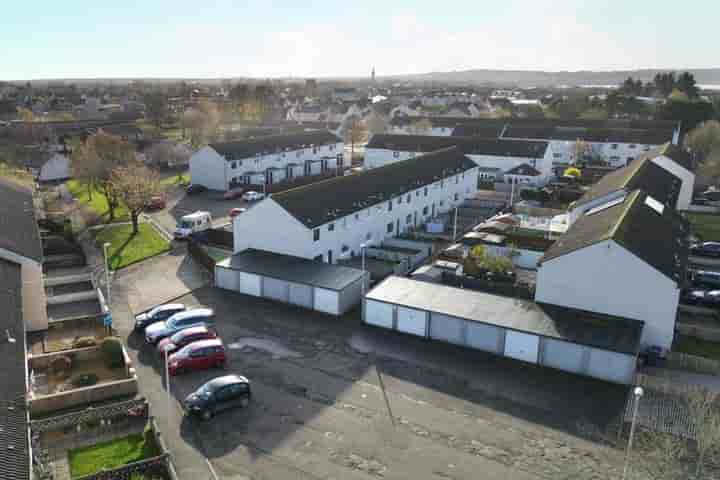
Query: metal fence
[
  {"x": 155, "y": 468},
  {"x": 92, "y": 415}
]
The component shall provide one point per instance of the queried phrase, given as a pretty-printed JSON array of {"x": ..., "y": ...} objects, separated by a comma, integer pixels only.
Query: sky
[{"x": 321, "y": 38}]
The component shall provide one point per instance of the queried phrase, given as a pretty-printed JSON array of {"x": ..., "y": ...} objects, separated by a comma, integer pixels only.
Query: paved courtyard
[{"x": 336, "y": 399}]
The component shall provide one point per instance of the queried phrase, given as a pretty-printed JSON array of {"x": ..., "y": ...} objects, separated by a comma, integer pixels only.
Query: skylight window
[
  {"x": 606, "y": 205},
  {"x": 654, "y": 204}
]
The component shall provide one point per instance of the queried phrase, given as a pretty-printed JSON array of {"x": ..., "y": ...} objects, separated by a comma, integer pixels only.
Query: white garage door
[
  {"x": 226, "y": 278},
  {"x": 522, "y": 346},
  {"x": 448, "y": 329},
  {"x": 379, "y": 314},
  {"x": 275, "y": 289},
  {"x": 250, "y": 284},
  {"x": 301, "y": 295},
  {"x": 411, "y": 321},
  {"x": 326, "y": 301},
  {"x": 483, "y": 337},
  {"x": 611, "y": 366},
  {"x": 562, "y": 355}
]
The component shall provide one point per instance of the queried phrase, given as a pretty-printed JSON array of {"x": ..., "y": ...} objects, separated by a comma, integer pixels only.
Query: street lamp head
[
  {"x": 107, "y": 244},
  {"x": 638, "y": 392}
]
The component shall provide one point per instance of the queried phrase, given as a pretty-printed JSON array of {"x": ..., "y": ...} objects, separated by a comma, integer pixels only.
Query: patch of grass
[
  {"x": 112, "y": 454},
  {"x": 704, "y": 225},
  {"x": 698, "y": 346},
  {"x": 126, "y": 248},
  {"x": 98, "y": 202},
  {"x": 183, "y": 179}
]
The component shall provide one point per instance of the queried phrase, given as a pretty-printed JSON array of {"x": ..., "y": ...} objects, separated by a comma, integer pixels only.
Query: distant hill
[{"x": 529, "y": 78}]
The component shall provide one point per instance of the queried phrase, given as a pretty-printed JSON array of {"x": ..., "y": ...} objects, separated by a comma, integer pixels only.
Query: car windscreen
[{"x": 184, "y": 224}]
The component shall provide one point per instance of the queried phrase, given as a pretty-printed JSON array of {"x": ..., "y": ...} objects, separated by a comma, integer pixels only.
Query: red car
[
  {"x": 233, "y": 194},
  {"x": 184, "y": 337},
  {"x": 199, "y": 355},
  {"x": 157, "y": 203},
  {"x": 234, "y": 212}
]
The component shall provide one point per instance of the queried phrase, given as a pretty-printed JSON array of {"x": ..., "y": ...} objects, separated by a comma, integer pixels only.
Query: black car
[
  {"x": 706, "y": 249},
  {"x": 705, "y": 298},
  {"x": 702, "y": 278},
  {"x": 222, "y": 393},
  {"x": 157, "y": 314},
  {"x": 195, "y": 188}
]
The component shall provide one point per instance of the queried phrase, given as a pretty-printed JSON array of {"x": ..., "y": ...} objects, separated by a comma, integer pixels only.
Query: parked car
[
  {"x": 157, "y": 314},
  {"x": 222, "y": 393},
  {"x": 157, "y": 203},
  {"x": 192, "y": 223},
  {"x": 180, "y": 321},
  {"x": 702, "y": 278},
  {"x": 253, "y": 196},
  {"x": 199, "y": 355},
  {"x": 705, "y": 298},
  {"x": 170, "y": 345},
  {"x": 194, "y": 188},
  {"x": 706, "y": 249},
  {"x": 234, "y": 212},
  {"x": 233, "y": 194}
]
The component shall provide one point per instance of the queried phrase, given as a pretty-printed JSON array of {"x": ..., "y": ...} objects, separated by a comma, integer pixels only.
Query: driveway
[{"x": 336, "y": 399}]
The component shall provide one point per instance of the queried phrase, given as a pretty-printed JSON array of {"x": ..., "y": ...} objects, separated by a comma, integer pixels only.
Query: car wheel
[
  {"x": 244, "y": 402},
  {"x": 206, "y": 415}
]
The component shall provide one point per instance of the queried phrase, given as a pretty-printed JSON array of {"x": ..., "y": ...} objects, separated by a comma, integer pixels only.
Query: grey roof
[
  {"x": 677, "y": 154},
  {"x": 572, "y": 325},
  {"x": 19, "y": 231},
  {"x": 293, "y": 269},
  {"x": 322, "y": 202},
  {"x": 606, "y": 135},
  {"x": 468, "y": 145},
  {"x": 273, "y": 143},
  {"x": 524, "y": 169},
  {"x": 659, "y": 239},
  {"x": 641, "y": 173},
  {"x": 15, "y": 460}
]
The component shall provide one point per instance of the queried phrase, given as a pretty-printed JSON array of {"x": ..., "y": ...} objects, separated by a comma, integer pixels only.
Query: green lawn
[
  {"x": 126, "y": 249},
  {"x": 98, "y": 203},
  {"x": 112, "y": 454},
  {"x": 699, "y": 347},
  {"x": 705, "y": 226}
]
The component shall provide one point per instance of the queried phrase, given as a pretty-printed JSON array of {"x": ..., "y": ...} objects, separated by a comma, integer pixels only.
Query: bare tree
[
  {"x": 85, "y": 164},
  {"x": 376, "y": 123},
  {"x": 355, "y": 132},
  {"x": 705, "y": 138},
  {"x": 156, "y": 107},
  {"x": 135, "y": 184},
  {"x": 160, "y": 154},
  {"x": 702, "y": 407},
  {"x": 659, "y": 456}
]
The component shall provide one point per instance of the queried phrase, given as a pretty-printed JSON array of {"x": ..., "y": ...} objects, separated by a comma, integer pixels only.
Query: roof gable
[
  {"x": 272, "y": 144},
  {"x": 19, "y": 232},
  {"x": 468, "y": 145}
]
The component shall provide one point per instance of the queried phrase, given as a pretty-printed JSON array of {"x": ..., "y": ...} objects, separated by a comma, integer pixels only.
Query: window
[
  {"x": 396, "y": 154},
  {"x": 316, "y": 235},
  {"x": 408, "y": 219},
  {"x": 457, "y": 179},
  {"x": 425, "y": 210},
  {"x": 614, "y": 146},
  {"x": 318, "y": 258},
  {"x": 390, "y": 227},
  {"x": 390, "y": 206},
  {"x": 357, "y": 216},
  {"x": 314, "y": 149},
  {"x": 442, "y": 203},
  {"x": 399, "y": 200},
  {"x": 331, "y": 147},
  {"x": 233, "y": 165},
  {"x": 456, "y": 197},
  {"x": 425, "y": 191},
  {"x": 298, "y": 153},
  {"x": 407, "y": 199},
  {"x": 417, "y": 193},
  {"x": 331, "y": 227},
  {"x": 632, "y": 145}
]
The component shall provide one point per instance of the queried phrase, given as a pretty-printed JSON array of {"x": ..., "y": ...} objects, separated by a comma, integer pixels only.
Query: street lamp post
[
  {"x": 107, "y": 273},
  {"x": 455, "y": 224},
  {"x": 637, "y": 394}
]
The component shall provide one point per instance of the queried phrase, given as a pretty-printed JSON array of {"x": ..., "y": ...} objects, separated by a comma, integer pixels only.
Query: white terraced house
[
  {"x": 265, "y": 160},
  {"x": 331, "y": 219}
]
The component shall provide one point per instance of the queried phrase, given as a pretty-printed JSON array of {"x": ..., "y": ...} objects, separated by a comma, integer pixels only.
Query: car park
[
  {"x": 706, "y": 249},
  {"x": 704, "y": 298},
  {"x": 157, "y": 314},
  {"x": 234, "y": 212},
  {"x": 221, "y": 393},
  {"x": 199, "y": 355},
  {"x": 172, "y": 344},
  {"x": 253, "y": 196},
  {"x": 704, "y": 278},
  {"x": 193, "y": 189},
  {"x": 180, "y": 321}
]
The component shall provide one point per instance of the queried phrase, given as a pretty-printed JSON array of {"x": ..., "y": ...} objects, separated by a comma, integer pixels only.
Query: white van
[{"x": 193, "y": 223}]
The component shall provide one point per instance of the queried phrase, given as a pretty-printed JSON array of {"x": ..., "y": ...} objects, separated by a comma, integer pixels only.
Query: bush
[
  {"x": 113, "y": 352},
  {"x": 85, "y": 380},
  {"x": 84, "y": 342}
]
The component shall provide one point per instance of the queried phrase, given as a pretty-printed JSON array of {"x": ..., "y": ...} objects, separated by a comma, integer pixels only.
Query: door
[
  {"x": 522, "y": 346},
  {"x": 446, "y": 328},
  {"x": 433, "y": 210},
  {"x": 326, "y": 301},
  {"x": 275, "y": 289},
  {"x": 330, "y": 256},
  {"x": 562, "y": 355},
  {"x": 611, "y": 366},
  {"x": 412, "y": 321},
  {"x": 226, "y": 278},
  {"x": 415, "y": 218},
  {"x": 483, "y": 337},
  {"x": 397, "y": 227},
  {"x": 300, "y": 295},
  {"x": 250, "y": 284},
  {"x": 378, "y": 314}
]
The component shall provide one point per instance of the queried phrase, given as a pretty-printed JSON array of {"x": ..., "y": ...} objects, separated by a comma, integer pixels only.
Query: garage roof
[
  {"x": 577, "y": 326},
  {"x": 292, "y": 269}
]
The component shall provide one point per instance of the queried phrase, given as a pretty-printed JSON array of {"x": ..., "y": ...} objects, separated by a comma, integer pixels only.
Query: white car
[
  {"x": 180, "y": 321},
  {"x": 252, "y": 196}
]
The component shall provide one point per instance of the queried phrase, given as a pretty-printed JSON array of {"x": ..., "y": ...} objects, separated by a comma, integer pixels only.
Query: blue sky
[{"x": 222, "y": 38}]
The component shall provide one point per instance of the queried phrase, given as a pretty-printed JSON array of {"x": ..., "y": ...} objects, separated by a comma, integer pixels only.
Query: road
[{"x": 319, "y": 408}]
